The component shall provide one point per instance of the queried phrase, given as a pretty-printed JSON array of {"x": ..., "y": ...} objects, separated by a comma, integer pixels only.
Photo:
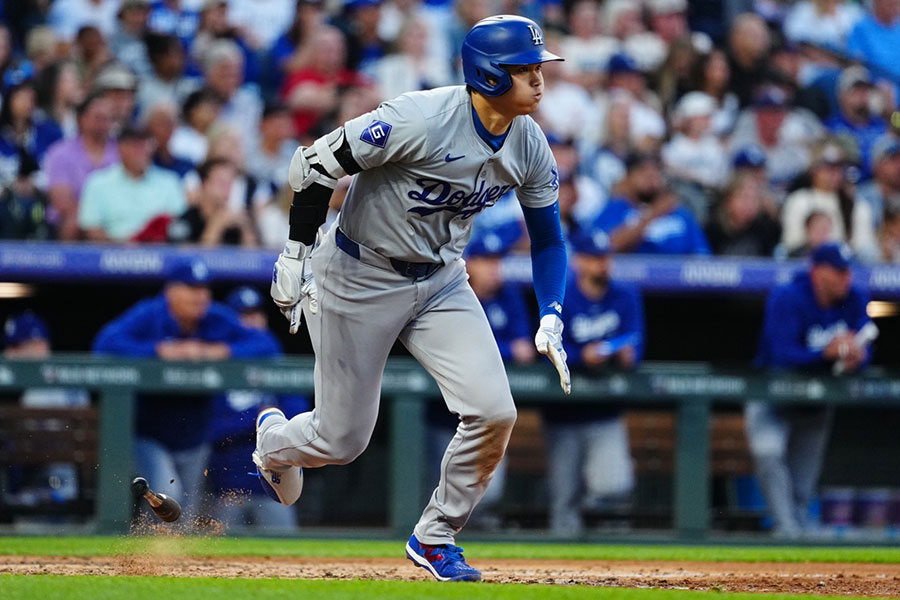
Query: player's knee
[{"x": 347, "y": 451}]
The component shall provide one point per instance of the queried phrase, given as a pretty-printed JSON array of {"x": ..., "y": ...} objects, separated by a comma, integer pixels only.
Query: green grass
[
  {"x": 223, "y": 546},
  {"x": 25, "y": 587}
]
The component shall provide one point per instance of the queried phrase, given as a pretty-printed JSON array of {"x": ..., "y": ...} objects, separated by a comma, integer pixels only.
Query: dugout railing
[{"x": 690, "y": 389}]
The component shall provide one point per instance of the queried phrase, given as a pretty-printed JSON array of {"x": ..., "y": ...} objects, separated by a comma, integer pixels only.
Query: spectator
[
  {"x": 889, "y": 237},
  {"x": 854, "y": 117},
  {"x": 825, "y": 23},
  {"x": 645, "y": 218},
  {"x": 411, "y": 68},
  {"x": 313, "y": 91},
  {"x": 712, "y": 76},
  {"x": 668, "y": 25},
  {"x": 24, "y": 134},
  {"x": 181, "y": 324},
  {"x": 127, "y": 41},
  {"x": 673, "y": 77},
  {"x": 626, "y": 83},
  {"x": 261, "y": 21},
  {"x": 160, "y": 119},
  {"x": 740, "y": 225},
  {"x": 67, "y": 17},
  {"x": 589, "y": 460},
  {"x": 695, "y": 154},
  {"x": 222, "y": 70},
  {"x": 24, "y": 207},
  {"x": 587, "y": 50},
  {"x": 749, "y": 44},
  {"x": 69, "y": 162},
  {"x": 233, "y": 435},
  {"x": 784, "y": 133},
  {"x": 59, "y": 91},
  {"x": 269, "y": 162},
  {"x": 200, "y": 111},
  {"x": 247, "y": 192},
  {"x": 828, "y": 192},
  {"x": 215, "y": 28},
  {"x": 567, "y": 109},
  {"x": 166, "y": 81},
  {"x": 119, "y": 202},
  {"x": 210, "y": 221},
  {"x": 876, "y": 36},
  {"x": 818, "y": 229},
  {"x": 119, "y": 84},
  {"x": 882, "y": 193},
  {"x": 42, "y": 47},
  {"x": 811, "y": 324},
  {"x": 91, "y": 52},
  {"x": 293, "y": 50}
]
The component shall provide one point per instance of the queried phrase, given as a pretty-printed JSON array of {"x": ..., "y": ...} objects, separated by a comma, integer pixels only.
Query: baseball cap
[
  {"x": 834, "y": 254},
  {"x": 830, "y": 153},
  {"x": 594, "y": 243},
  {"x": 636, "y": 159},
  {"x": 854, "y": 76},
  {"x": 244, "y": 299},
  {"x": 770, "y": 97},
  {"x": 621, "y": 63},
  {"x": 884, "y": 147},
  {"x": 667, "y": 7},
  {"x": 115, "y": 77},
  {"x": 23, "y": 327},
  {"x": 190, "y": 272},
  {"x": 749, "y": 157},
  {"x": 694, "y": 104},
  {"x": 132, "y": 132}
]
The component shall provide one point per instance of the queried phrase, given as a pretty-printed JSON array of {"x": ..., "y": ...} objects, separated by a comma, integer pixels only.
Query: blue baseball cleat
[
  {"x": 284, "y": 487},
  {"x": 445, "y": 562}
]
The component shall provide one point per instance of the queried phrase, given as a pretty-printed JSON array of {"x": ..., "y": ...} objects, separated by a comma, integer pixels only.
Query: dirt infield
[{"x": 815, "y": 578}]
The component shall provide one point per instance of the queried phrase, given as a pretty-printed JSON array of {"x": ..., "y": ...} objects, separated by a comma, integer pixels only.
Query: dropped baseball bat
[{"x": 165, "y": 507}]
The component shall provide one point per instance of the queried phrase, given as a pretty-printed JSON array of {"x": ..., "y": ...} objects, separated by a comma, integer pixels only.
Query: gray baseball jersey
[{"x": 427, "y": 173}]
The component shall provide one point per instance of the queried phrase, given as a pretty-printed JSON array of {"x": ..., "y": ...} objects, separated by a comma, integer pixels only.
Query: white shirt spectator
[
  {"x": 801, "y": 203},
  {"x": 189, "y": 144},
  {"x": 396, "y": 74},
  {"x": 264, "y": 20},
  {"x": 586, "y": 56},
  {"x": 565, "y": 109},
  {"x": 68, "y": 16},
  {"x": 271, "y": 167},
  {"x": 804, "y": 23},
  {"x": 703, "y": 160}
]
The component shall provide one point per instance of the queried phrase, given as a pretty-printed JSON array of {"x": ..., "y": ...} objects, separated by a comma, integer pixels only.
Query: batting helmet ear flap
[{"x": 495, "y": 42}]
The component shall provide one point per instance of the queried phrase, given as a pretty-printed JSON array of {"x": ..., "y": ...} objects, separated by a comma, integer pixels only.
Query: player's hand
[
  {"x": 548, "y": 341},
  {"x": 292, "y": 281}
]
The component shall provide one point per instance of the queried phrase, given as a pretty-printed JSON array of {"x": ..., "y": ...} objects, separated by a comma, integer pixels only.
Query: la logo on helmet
[{"x": 536, "y": 35}]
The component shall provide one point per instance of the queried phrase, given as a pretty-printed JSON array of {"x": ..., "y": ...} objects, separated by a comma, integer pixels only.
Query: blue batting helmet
[{"x": 498, "y": 41}]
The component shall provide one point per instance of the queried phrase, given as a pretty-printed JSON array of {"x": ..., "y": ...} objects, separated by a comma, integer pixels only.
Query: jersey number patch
[{"x": 376, "y": 134}]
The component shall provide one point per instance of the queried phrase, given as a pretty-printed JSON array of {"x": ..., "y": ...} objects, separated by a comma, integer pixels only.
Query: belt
[{"x": 413, "y": 270}]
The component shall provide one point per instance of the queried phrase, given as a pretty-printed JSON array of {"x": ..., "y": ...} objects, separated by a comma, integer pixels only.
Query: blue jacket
[
  {"x": 178, "y": 422},
  {"x": 675, "y": 233},
  {"x": 797, "y": 329},
  {"x": 509, "y": 318},
  {"x": 617, "y": 318}
]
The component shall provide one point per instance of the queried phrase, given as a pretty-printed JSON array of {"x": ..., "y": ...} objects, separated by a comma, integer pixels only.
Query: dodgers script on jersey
[{"x": 427, "y": 173}]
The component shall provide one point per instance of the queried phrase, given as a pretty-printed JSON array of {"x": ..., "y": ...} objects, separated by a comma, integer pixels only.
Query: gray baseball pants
[{"x": 364, "y": 306}]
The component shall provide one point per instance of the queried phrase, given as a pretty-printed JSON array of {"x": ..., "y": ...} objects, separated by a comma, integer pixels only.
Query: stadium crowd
[{"x": 727, "y": 127}]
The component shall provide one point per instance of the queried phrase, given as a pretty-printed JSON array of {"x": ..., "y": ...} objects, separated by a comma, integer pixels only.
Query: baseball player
[
  {"x": 816, "y": 323},
  {"x": 390, "y": 268}
]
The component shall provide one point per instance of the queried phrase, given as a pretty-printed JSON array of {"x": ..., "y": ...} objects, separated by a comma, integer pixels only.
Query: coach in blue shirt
[
  {"x": 590, "y": 463},
  {"x": 817, "y": 322},
  {"x": 182, "y": 324},
  {"x": 646, "y": 218}
]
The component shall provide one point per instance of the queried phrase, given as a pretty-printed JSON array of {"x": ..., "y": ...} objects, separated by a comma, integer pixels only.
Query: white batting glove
[
  {"x": 548, "y": 341},
  {"x": 292, "y": 281}
]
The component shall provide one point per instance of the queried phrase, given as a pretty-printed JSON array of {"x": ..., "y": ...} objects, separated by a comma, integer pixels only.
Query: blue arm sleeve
[
  {"x": 127, "y": 335},
  {"x": 548, "y": 256}
]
